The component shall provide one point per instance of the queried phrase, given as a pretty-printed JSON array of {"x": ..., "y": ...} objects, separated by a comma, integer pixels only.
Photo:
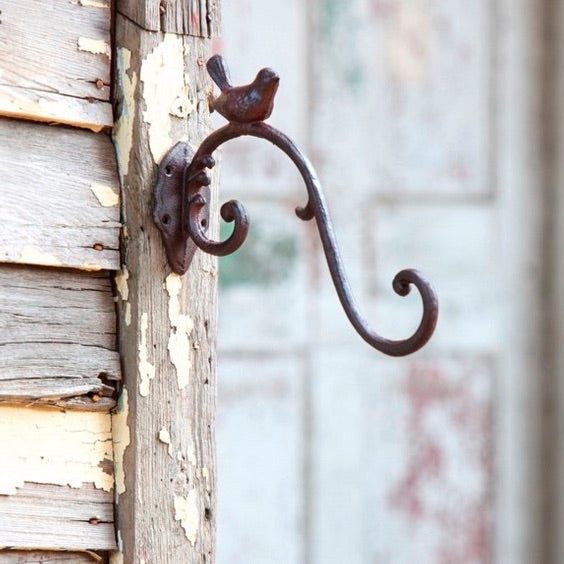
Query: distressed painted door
[{"x": 424, "y": 120}]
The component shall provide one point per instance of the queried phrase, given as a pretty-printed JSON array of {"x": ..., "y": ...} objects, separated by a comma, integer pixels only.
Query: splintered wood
[{"x": 55, "y": 67}]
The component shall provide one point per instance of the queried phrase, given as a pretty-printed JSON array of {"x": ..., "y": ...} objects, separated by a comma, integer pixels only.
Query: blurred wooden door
[{"x": 429, "y": 123}]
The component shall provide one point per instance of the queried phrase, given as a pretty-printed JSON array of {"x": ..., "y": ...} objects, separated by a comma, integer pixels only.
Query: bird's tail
[{"x": 217, "y": 69}]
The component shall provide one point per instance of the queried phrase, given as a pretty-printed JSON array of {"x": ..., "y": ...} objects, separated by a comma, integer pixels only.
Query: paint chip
[
  {"x": 187, "y": 512},
  {"x": 34, "y": 255},
  {"x": 95, "y": 46},
  {"x": 63, "y": 448},
  {"x": 182, "y": 106},
  {"x": 121, "y": 439},
  {"x": 164, "y": 437},
  {"x": 105, "y": 195},
  {"x": 93, "y": 4},
  {"x": 127, "y": 314},
  {"x": 121, "y": 283},
  {"x": 123, "y": 129},
  {"x": 123, "y": 290},
  {"x": 181, "y": 326}
]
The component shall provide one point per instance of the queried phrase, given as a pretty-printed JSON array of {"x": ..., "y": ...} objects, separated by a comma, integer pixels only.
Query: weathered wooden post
[{"x": 164, "y": 429}]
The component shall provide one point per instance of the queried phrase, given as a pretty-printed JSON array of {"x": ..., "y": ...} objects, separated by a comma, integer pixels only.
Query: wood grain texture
[
  {"x": 56, "y": 65},
  {"x": 59, "y": 194},
  {"x": 167, "y": 503},
  {"x": 200, "y": 18},
  {"x": 50, "y": 557},
  {"x": 57, "y": 335},
  {"x": 43, "y": 516}
]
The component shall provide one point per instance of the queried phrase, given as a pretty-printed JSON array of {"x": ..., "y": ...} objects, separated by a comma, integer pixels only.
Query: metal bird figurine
[{"x": 243, "y": 104}]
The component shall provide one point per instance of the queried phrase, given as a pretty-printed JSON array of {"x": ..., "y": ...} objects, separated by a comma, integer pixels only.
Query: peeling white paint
[
  {"x": 52, "y": 447},
  {"x": 121, "y": 438},
  {"x": 93, "y": 4},
  {"x": 123, "y": 129},
  {"x": 121, "y": 283},
  {"x": 164, "y": 437},
  {"x": 95, "y": 46},
  {"x": 34, "y": 255},
  {"x": 105, "y": 195},
  {"x": 182, "y": 106},
  {"x": 146, "y": 369},
  {"x": 119, "y": 541},
  {"x": 187, "y": 512},
  {"x": 123, "y": 290},
  {"x": 127, "y": 314},
  {"x": 181, "y": 326},
  {"x": 89, "y": 267},
  {"x": 164, "y": 91}
]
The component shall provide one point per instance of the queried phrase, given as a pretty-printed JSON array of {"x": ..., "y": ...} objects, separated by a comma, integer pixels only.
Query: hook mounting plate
[{"x": 170, "y": 200}]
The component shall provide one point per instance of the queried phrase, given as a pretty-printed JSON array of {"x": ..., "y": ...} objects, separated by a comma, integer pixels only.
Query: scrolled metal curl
[{"x": 315, "y": 207}]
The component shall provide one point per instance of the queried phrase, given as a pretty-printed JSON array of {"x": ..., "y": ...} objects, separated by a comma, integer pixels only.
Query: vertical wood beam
[
  {"x": 164, "y": 427},
  {"x": 191, "y": 17}
]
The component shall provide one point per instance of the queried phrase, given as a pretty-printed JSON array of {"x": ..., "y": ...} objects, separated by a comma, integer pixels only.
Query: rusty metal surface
[
  {"x": 240, "y": 105},
  {"x": 168, "y": 207},
  {"x": 243, "y": 104}
]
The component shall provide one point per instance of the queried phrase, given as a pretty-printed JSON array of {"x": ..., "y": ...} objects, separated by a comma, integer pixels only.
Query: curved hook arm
[{"x": 315, "y": 207}]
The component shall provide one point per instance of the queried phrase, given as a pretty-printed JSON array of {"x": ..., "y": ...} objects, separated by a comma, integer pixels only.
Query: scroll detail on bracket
[{"x": 182, "y": 203}]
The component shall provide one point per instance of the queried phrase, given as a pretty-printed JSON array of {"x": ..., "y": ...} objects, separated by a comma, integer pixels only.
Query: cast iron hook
[{"x": 182, "y": 203}]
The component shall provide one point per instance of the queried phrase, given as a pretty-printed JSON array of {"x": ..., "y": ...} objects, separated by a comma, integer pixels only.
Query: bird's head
[{"x": 267, "y": 76}]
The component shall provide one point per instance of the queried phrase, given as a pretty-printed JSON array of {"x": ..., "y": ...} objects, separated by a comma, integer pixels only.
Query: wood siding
[
  {"x": 55, "y": 67},
  {"x": 60, "y": 197},
  {"x": 423, "y": 119},
  {"x": 58, "y": 337},
  {"x": 59, "y": 242}
]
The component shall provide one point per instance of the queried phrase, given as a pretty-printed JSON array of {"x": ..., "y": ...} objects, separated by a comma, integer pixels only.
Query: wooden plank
[
  {"x": 56, "y": 484},
  {"x": 57, "y": 334},
  {"x": 57, "y": 517},
  {"x": 167, "y": 322},
  {"x": 59, "y": 194},
  {"x": 53, "y": 70},
  {"x": 200, "y": 18},
  {"x": 51, "y": 557}
]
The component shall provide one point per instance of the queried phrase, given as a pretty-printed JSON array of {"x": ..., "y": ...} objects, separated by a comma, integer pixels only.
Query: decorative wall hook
[{"x": 182, "y": 198}]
